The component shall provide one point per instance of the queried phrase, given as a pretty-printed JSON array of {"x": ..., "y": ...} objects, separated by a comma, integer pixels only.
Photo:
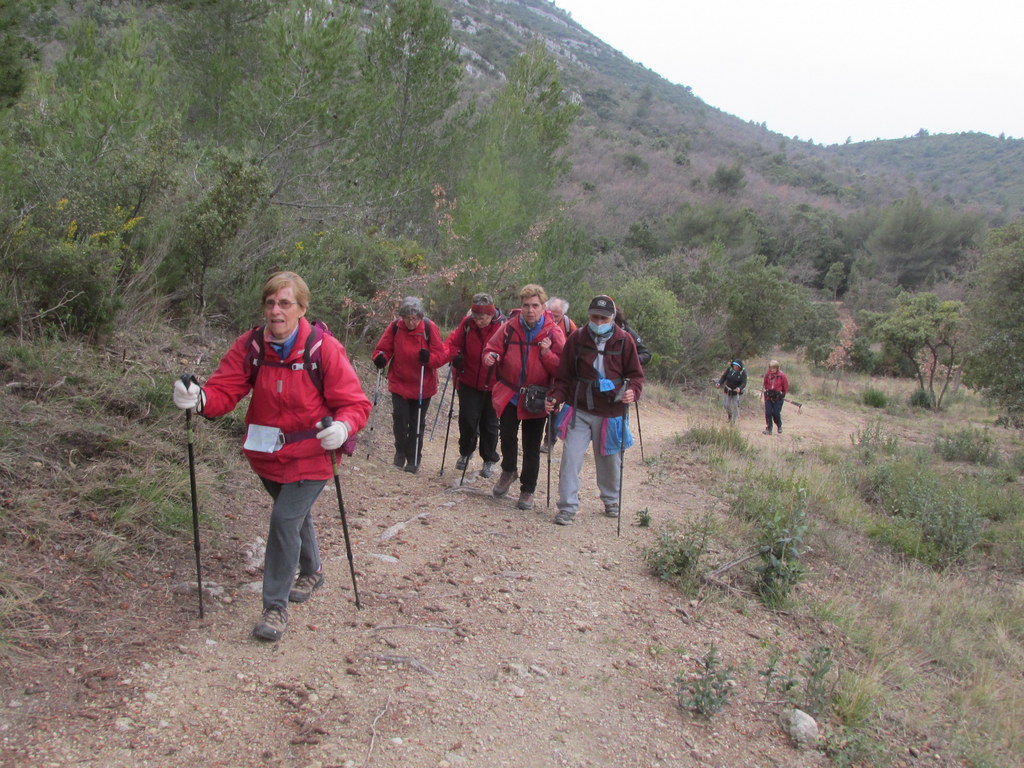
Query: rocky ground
[{"x": 487, "y": 636}]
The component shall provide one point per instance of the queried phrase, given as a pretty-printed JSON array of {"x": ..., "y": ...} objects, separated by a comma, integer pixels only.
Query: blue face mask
[{"x": 605, "y": 329}]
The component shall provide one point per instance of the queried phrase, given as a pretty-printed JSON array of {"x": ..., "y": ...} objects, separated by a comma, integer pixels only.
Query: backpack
[{"x": 311, "y": 356}]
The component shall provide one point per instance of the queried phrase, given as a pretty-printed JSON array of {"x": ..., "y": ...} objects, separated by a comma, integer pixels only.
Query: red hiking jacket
[
  {"x": 775, "y": 381},
  {"x": 470, "y": 340},
  {"x": 511, "y": 346},
  {"x": 401, "y": 347},
  {"x": 288, "y": 399}
]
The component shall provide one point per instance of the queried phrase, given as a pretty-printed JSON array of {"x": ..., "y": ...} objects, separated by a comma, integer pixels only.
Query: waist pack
[
  {"x": 774, "y": 395},
  {"x": 532, "y": 398}
]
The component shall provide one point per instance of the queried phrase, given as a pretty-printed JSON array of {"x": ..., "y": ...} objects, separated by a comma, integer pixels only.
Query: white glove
[
  {"x": 333, "y": 437},
  {"x": 189, "y": 399}
]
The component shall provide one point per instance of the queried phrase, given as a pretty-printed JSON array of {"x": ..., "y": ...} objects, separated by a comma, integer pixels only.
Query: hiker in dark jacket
[
  {"x": 774, "y": 388},
  {"x": 599, "y": 375},
  {"x": 464, "y": 348},
  {"x": 734, "y": 380},
  {"x": 641, "y": 349}
]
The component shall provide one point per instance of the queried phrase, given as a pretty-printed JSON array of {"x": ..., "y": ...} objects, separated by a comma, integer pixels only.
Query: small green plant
[
  {"x": 875, "y": 398},
  {"x": 874, "y": 438},
  {"x": 643, "y": 518},
  {"x": 707, "y": 691},
  {"x": 677, "y": 557},
  {"x": 968, "y": 444}
]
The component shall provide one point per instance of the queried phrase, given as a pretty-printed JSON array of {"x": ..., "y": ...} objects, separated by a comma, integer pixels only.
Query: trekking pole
[
  {"x": 551, "y": 448},
  {"x": 622, "y": 459},
  {"x": 373, "y": 409},
  {"x": 448, "y": 429},
  {"x": 440, "y": 403},
  {"x": 187, "y": 379},
  {"x": 336, "y": 467},
  {"x": 419, "y": 428},
  {"x": 639, "y": 429}
]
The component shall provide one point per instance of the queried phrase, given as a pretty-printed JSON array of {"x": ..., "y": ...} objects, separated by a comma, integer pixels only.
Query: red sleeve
[
  {"x": 386, "y": 343},
  {"x": 230, "y": 382},
  {"x": 551, "y": 359},
  {"x": 437, "y": 348},
  {"x": 342, "y": 391},
  {"x": 455, "y": 342}
]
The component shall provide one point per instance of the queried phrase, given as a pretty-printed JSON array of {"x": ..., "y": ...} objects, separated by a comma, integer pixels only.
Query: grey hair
[
  {"x": 482, "y": 298},
  {"x": 411, "y": 305},
  {"x": 564, "y": 304}
]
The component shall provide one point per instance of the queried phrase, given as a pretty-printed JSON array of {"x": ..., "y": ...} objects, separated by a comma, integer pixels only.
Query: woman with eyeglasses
[{"x": 286, "y": 444}]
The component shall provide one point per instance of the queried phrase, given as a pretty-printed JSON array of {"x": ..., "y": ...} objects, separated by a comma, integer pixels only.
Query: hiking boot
[
  {"x": 611, "y": 510},
  {"x": 779, "y": 431},
  {"x": 488, "y": 470},
  {"x": 304, "y": 587},
  {"x": 504, "y": 482},
  {"x": 462, "y": 463},
  {"x": 414, "y": 468},
  {"x": 767, "y": 432},
  {"x": 525, "y": 501},
  {"x": 272, "y": 625},
  {"x": 399, "y": 460},
  {"x": 565, "y": 517}
]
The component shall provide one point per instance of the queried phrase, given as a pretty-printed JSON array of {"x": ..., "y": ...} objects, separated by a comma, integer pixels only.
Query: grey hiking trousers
[
  {"x": 584, "y": 430},
  {"x": 291, "y": 540}
]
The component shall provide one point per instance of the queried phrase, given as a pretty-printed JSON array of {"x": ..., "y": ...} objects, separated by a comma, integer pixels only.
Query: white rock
[{"x": 800, "y": 726}]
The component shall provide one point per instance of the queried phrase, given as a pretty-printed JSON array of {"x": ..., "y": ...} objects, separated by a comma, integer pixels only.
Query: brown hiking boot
[
  {"x": 504, "y": 483},
  {"x": 305, "y": 586},
  {"x": 272, "y": 625},
  {"x": 525, "y": 501}
]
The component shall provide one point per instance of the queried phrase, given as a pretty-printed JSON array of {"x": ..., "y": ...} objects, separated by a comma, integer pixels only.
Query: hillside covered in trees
[{"x": 160, "y": 158}]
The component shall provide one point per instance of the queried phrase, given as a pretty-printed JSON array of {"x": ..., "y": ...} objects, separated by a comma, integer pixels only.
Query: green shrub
[
  {"x": 708, "y": 691},
  {"x": 872, "y": 439},
  {"x": 921, "y": 398},
  {"x": 874, "y": 398},
  {"x": 676, "y": 557},
  {"x": 719, "y": 437},
  {"x": 968, "y": 444},
  {"x": 935, "y": 522}
]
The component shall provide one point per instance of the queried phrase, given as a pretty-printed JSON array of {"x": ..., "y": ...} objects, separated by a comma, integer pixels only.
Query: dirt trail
[{"x": 488, "y": 636}]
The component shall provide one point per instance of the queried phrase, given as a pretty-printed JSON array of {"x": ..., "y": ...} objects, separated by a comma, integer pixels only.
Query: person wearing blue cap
[{"x": 734, "y": 380}]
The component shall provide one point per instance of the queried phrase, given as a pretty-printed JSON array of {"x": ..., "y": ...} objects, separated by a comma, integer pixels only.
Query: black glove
[
  {"x": 380, "y": 361},
  {"x": 424, "y": 356},
  {"x": 458, "y": 363}
]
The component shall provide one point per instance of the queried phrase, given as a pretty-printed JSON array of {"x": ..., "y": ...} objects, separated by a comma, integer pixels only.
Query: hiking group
[
  {"x": 518, "y": 379},
  {"x": 774, "y": 388}
]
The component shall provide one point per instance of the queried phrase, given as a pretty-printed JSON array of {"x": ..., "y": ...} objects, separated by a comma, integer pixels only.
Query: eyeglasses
[{"x": 284, "y": 304}]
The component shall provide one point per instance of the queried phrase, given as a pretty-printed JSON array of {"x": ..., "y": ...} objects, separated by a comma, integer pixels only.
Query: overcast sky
[{"x": 825, "y": 70}]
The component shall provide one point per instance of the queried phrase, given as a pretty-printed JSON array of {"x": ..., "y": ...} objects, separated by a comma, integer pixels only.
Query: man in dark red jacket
[
  {"x": 599, "y": 376},
  {"x": 413, "y": 346},
  {"x": 464, "y": 348},
  {"x": 524, "y": 354},
  {"x": 283, "y": 445}
]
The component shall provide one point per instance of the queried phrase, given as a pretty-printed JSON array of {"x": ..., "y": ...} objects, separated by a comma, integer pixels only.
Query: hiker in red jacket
[
  {"x": 464, "y": 348},
  {"x": 413, "y": 347},
  {"x": 283, "y": 444},
  {"x": 524, "y": 354},
  {"x": 774, "y": 388}
]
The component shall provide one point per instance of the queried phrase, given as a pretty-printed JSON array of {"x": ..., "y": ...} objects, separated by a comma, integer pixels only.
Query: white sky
[{"x": 826, "y": 70}]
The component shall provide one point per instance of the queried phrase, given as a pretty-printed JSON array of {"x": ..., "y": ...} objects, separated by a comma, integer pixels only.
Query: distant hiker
[
  {"x": 283, "y": 444},
  {"x": 464, "y": 348},
  {"x": 599, "y": 376},
  {"x": 773, "y": 389},
  {"x": 734, "y": 380},
  {"x": 559, "y": 309},
  {"x": 641, "y": 349},
  {"x": 413, "y": 347},
  {"x": 524, "y": 353}
]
